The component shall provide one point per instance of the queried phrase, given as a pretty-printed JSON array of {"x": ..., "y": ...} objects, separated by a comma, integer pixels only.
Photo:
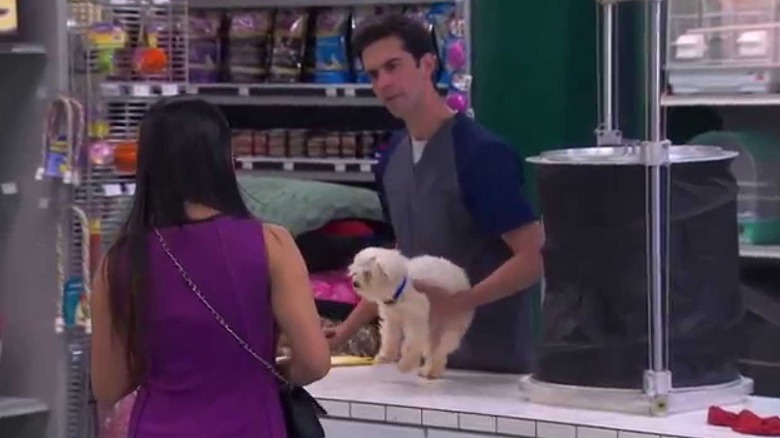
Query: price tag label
[
  {"x": 340, "y": 167},
  {"x": 112, "y": 190},
  {"x": 243, "y": 92},
  {"x": 331, "y": 92},
  {"x": 170, "y": 90},
  {"x": 119, "y": 2},
  {"x": 365, "y": 167},
  {"x": 192, "y": 89},
  {"x": 246, "y": 164},
  {"x": 349, "y": 92},
  {"x": 110, "y": 90},
  {"x": 141, "y": 90},
  {"x": 130, "y": 189},
  {"x": 288, "y": 166}
]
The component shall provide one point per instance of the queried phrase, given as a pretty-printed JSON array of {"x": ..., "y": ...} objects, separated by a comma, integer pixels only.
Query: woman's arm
[
  {"x": 294, "y": 308},
  {"x": 111, "y": 380}
]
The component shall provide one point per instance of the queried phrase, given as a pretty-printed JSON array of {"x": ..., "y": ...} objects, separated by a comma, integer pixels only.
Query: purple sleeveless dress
[{"x": 201, "y": 382}]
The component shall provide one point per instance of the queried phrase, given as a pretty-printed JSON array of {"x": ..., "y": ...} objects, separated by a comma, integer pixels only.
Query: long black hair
[{"x": 184, "y": 157}]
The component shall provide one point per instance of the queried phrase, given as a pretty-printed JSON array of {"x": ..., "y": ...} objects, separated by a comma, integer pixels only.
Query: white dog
[{"x": 386, "y": 277}]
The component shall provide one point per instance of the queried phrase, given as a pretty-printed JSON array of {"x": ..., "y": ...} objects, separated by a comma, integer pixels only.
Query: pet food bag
[
  {"x": 249, "y": 34},
  {"x": 204, "y": 46},
  {"x": 331, "y": 57},
  {"x": 289, "y": 42}
]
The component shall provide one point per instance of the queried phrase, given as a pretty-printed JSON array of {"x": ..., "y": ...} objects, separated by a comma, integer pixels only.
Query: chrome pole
[
  {"x": 608, "y": 13},
  {"x": 608, "y": 133},
  {"x": 658, "y": 379}
]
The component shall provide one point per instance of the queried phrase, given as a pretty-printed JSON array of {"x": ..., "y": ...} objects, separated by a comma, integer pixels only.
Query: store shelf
[
  {"x": 721, "y": 100},
  {"x": 250, "y": 94},
  {"x": 298, "y": 3},
  {"x": 17, "y": 407},
  {"x": 21, "y": 49},
  {"x": 768, "y": 252},
  {"x": 322, "y": 169}
]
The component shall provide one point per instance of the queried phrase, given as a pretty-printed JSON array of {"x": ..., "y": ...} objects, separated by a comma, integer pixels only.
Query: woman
[{"x": 151, "y": 331}]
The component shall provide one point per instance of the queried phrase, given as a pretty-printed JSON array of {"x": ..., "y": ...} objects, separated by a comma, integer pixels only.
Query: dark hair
[
  {"x": 415, "y": 38},
  {"x": 184, "y": 156}
]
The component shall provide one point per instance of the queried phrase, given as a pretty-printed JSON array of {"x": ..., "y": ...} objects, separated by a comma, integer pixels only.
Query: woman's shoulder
[
  {"x": 278, "y": 239},
  {"x": 277, "y": 234}
]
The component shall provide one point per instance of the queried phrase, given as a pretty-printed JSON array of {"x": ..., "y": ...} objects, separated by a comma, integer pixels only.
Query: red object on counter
[
  {"x": 347, "y": 227},
  {"x": 744, "y": 422}
]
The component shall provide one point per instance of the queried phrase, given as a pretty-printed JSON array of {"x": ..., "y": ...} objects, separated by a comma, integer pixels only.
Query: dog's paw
[
  {"x": 406, "y": 365},
  {"x": 429, "y": 373}
]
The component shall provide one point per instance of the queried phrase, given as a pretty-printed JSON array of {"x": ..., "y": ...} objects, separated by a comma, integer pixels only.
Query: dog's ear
[{"x": 379, "y": 268}]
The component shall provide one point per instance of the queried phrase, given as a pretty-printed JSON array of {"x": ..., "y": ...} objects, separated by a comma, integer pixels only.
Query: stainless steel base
[{"x": 634, "y": 401}]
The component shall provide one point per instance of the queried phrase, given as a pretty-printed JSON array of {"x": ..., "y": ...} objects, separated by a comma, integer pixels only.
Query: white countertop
[{"x": 491, "y": 403}]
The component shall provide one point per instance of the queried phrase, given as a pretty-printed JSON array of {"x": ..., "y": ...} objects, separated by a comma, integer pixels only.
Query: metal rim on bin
[{"x": 630, "y": 155}]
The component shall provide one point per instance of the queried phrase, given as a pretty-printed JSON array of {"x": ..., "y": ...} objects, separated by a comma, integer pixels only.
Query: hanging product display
[
  {"x": 449, "y": 29},
  {"x": 62, "y": 140},
  {"x": 148, "y": 57},
  {"x": 73, "y": 302},
  {"x": 126, "y": 156},
  {"x": 105, "y": 38}
]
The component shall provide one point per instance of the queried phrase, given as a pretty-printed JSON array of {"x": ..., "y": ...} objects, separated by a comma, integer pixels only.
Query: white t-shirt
[{"x": 418, "y": 146}]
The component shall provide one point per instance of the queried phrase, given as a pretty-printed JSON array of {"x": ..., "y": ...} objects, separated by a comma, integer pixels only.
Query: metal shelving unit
[
  {"x": 297, "y": 3},
  {"x": 761, "y": 252},
  {"x": 22, "y": 49},
  {"x": 120, "y": 98},
  {"x": 323, "y": 169},
  {"x": 303, "y": 94},
  {"x": 709, "y": 100}
]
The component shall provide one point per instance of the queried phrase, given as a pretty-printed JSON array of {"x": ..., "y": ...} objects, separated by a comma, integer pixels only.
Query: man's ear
[{"x": 430, "y": 63}]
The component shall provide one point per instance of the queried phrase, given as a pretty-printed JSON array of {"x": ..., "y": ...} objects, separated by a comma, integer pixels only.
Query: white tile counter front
[{"x": 378, "y": 402}]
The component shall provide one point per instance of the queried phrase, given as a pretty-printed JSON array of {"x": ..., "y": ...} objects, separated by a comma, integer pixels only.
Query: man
[{"x": 452, "y": 189}]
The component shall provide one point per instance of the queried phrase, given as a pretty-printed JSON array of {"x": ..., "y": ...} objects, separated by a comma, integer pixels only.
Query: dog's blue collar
[{"x": 398, "y": 292}]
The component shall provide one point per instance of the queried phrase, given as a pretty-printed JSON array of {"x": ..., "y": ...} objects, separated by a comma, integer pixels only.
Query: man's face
[{"x": 397, "y": 79}]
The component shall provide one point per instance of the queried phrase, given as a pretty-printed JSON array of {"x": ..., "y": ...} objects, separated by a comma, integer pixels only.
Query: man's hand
[
  {"x": 337, "y": 337},
  {"x": 444, "y": 304}
]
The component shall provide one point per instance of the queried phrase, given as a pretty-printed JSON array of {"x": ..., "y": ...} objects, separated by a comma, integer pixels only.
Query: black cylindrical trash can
[{"x": 595, "y": 311}]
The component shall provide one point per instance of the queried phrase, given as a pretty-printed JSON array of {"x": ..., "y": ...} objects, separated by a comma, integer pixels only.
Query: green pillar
[
  {"x": 535, "y": 75},
  {"x": 534, "y": 66}
]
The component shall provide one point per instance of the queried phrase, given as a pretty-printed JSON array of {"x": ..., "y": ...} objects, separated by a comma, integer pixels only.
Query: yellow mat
[
  {"x": 350, "y": 361},
  {"x": 341, "y": 360}
]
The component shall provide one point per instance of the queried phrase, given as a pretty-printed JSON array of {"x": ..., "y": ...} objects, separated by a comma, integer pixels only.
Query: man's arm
[
  {"x": 521, "y": 271},
  {"x": 492, "y": 179},
  {"x": 362, "y": 314}
]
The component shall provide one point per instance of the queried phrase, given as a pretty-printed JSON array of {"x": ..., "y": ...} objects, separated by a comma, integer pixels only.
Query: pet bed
[
  {"x": 298, "y": 205},
  {"x": 302, "y": 206}
]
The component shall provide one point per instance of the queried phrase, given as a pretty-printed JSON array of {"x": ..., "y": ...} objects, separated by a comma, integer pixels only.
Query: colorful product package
[
  {"x": 361, "y": 15},
  {"x": 331, "y": 57},
  {"x": 249, "y": 34},
  {"x": 449, "y": 29},
  {"x": 205, "y": 50},
  {"x": 448, "y": 37},
  {"x": 289, "y": 43}
]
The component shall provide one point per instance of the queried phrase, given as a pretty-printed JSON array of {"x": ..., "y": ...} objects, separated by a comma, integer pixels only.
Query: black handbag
[{"x": 301, "y": 410}]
